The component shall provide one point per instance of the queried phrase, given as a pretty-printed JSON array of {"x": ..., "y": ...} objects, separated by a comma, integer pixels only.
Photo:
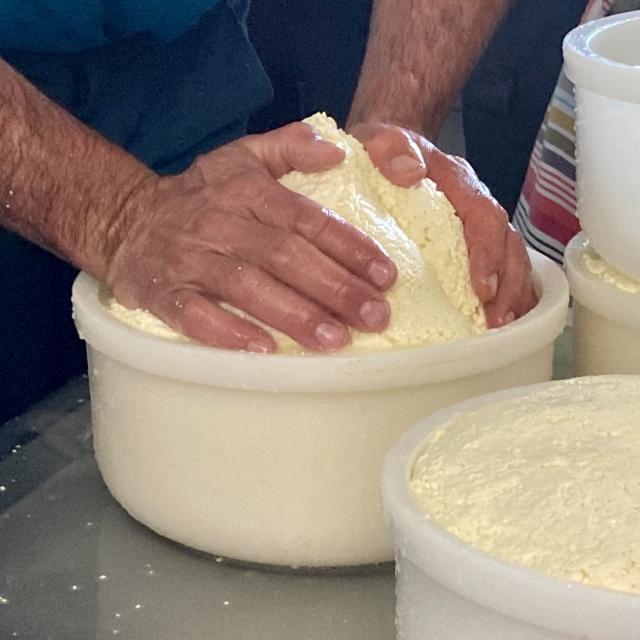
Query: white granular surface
[
  {"x": 550, "y": 480},
  {"x": 603, "y": 270}
]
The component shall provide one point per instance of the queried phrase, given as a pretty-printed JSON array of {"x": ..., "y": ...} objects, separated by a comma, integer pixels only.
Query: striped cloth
[{"x": 546, "y": 210}]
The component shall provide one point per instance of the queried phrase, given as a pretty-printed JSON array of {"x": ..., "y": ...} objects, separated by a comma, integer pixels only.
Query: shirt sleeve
[{"x": 76, "y": 25}]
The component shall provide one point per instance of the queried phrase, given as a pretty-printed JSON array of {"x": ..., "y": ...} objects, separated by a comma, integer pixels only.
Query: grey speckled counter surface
[{"x": 74, "y": 566}]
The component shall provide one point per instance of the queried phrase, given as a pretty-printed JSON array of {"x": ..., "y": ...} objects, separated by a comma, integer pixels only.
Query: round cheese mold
[
  {"x": 606, "y": 318},
  {"x": 514, "y": 515},
  {"x": 275, "y": 458},
  {"x": 549, "y": 480}
]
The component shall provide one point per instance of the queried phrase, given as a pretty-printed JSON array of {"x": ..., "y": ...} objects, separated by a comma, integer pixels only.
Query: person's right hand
[{"x": 226, "y": 231}]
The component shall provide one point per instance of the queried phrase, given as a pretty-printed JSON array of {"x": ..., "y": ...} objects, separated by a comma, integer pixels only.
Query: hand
[
  {"x": 227, "y": 231},
  {"x": 499, "y": 265}
]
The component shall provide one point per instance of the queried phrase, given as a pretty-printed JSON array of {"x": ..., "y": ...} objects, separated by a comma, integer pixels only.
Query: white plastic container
[
  {"x": 606, "y": 320},
  {"x": 275, "y": 459},
  {"x": 447, "y": 590},
  {"x": 602, "y": 58}
]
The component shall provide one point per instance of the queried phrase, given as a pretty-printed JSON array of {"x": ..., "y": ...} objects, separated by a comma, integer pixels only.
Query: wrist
[
  {"x": 390, "y": 105},
  {"x": 117, "y": 224},
  {"x": 62, "y": 185}
]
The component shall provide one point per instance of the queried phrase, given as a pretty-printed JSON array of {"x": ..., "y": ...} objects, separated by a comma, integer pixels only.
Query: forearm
[
  {"x": 418, "y": 57},
  {"x": 62, "y": 185}
]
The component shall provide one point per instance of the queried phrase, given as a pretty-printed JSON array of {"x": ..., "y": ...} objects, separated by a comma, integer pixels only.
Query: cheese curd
[
  {"x": 550, "y": 480},
  {"x": 432, "y": 301},
  {"x": 603, "y": 270}
]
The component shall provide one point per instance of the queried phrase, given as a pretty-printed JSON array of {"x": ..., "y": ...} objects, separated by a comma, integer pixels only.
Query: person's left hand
[{"x": 499, "y": 264}]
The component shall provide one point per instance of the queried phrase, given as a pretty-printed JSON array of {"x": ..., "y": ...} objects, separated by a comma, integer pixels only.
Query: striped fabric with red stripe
[{"x": 546, "y": 211}]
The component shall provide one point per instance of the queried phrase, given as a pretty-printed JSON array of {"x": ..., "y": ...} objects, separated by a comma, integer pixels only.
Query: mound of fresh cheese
[
  {"x": 432, "y": 301},
  {"x": 550, "y": 480}
]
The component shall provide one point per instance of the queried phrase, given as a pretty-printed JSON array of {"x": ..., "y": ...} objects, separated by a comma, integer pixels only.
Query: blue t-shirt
[
  {"x": 166, "y": 80},
  {"x": 75, "y": 25}
]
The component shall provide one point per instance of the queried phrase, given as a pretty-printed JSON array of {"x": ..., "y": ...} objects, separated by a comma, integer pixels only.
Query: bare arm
[
  {"x": 225, "y": 230},
  {"x": 61, "y": 185},
  {"x": 418, "y": 57}
]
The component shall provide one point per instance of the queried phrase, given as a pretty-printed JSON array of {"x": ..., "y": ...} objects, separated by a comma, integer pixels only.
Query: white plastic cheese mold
[{"x": 275, "y": 459}]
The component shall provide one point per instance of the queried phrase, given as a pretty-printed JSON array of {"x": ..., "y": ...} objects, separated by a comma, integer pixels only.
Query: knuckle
[
  {"x": 199, "y": 228},
  {"x": 300, "y": 130},
  {"x": 427, "y": 148},
  {"x": 296, "y": 152},
  {"x": 454, "y": 165},
  {"x": 289, "y": 245},
  {"x": 184, "y": 303},
  {"x": 299, "y": 318},
  {"x": 244, "y": 185},
  {"x": 312, "y": 222},
  {"x": 500, "y": 214},
  {"x": 481, "y": 254},
  {"x": 364, "y": 131},
  {"x": 306, "y": 317},
  {"x": 415, "y": 148},
  {"x": 491, "y": 211},
  {"x": 284, "y": 252},
  {"x": 203, "y": 164},
  {"x": 461, "y": 162},
  {"x": 396, "y": 134},
  {"x": 171, "y": 306},
  {"x": 374, "y": 129},
  {"x": 243, "y": 282},
  {"x": 345, "y": 291},
  {"x": 396, "y": 139},
  {"x": 517, "y": 242},
  {"x": 199, "y": 168}
]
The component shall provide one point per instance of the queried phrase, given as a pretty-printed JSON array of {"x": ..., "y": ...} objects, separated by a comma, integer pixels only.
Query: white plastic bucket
[
  {"x": 275, "y": 459},
  {"x": 602, "y": 58},
  {"x": 448, "y": 590},
  {"x": 606, "y": 320}
]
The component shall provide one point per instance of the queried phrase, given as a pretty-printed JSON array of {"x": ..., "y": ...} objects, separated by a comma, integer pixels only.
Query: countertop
[{"x": 73, "y": 565}]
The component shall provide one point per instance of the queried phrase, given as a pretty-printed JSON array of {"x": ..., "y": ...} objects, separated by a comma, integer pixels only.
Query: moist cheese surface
[
  {"x": 432, "y": 301},
  {"x": 550, "y": 480},
  {"x": 607, "y": 273}
]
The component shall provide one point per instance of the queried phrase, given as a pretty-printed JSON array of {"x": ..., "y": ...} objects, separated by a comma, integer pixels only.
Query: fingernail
[
  {"x": 374, "y": 314},
  {"x": 508, "y": 318},
  {"x": 402, "y": 165},
  {"x": 492, "y": 284},
  {"x": 331, "y": 335},
  {"x": 259, "y": 346},
  {"x": 380, "y": 273}
]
